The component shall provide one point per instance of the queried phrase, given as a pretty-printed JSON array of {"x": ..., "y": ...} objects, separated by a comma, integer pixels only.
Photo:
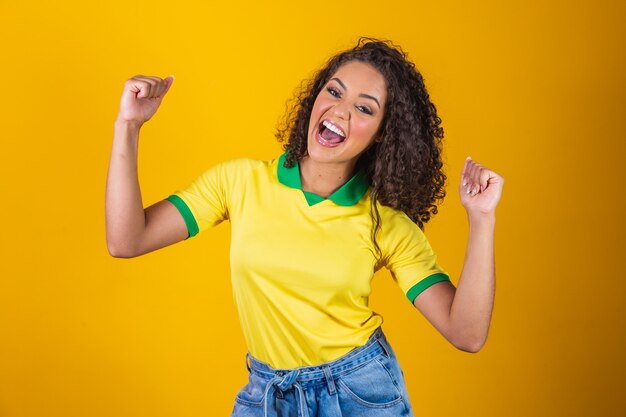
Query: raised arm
[
  {"x": 463, "y": 315},
  {"x": 132, "y": 230}
]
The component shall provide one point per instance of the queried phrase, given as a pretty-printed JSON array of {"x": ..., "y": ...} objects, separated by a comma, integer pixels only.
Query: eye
[
  {"x": 333, "y": 92},
  {"x": 364, "y": 109}
]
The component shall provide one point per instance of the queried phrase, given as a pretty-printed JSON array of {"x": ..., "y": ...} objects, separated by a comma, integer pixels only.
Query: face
[{"x": 347, "y": 114}]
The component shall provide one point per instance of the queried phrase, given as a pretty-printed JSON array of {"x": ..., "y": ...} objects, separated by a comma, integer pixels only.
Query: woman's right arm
[{"x": 132, "y": 230}]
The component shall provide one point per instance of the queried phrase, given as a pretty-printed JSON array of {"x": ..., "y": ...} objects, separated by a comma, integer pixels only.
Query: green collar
[{"x": 347, "y": 195}]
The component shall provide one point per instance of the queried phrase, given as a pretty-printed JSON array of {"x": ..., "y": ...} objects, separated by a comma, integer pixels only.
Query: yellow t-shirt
[{"x": 302, "y": 265}]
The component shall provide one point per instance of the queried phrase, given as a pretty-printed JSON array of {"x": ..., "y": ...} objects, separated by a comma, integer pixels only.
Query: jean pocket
[
  {"x": 372, "y": 385},
  {"x": 253, "y": 393}
]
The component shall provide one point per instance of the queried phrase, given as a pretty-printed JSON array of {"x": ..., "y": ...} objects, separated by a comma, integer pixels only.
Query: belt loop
[
  {"x": 329, "y": 380},
  {"x": 247, "y": 358},
  {"x": 382, "y": 344}
]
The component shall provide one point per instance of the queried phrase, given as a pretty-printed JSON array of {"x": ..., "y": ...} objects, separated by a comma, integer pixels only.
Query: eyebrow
[{"x": 360, "y": 95}]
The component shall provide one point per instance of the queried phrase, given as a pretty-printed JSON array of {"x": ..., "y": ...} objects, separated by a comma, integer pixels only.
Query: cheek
[
  {"x": 314, "y": 116},
  {"x": 316, "y": 110},
  {"x": 364, "y": 129},
  {"x": 319, "y": 106}
]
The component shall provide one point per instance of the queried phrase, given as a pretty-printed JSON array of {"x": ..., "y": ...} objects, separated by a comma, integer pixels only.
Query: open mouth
[{"x": 331, "y": 134}]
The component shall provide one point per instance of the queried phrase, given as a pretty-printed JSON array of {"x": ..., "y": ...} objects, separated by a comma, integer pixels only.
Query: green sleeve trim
[
  {"x": 425, "y": 283},
  {"x": 190, "y": 221}
]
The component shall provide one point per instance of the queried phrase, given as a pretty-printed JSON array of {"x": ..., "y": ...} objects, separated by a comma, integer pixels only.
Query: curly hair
[{"x": 403, "y": 166}]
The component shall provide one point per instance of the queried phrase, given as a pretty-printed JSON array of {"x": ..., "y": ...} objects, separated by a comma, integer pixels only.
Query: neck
[{"x": 323, "y": 179}]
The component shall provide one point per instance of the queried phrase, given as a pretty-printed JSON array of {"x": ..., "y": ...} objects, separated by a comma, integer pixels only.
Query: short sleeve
[
  {"x": 409, "y": 257},
  {"x": 204, "y": 202}
]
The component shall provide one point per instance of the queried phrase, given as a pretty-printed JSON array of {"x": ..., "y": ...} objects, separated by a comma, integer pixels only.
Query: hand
[
  {"x": 480, "y": 188},
  {"x": 142, "y": 97}
]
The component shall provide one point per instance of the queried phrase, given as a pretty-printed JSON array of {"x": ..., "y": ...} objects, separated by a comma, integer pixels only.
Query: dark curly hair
[{"x": 404, "y": 165}]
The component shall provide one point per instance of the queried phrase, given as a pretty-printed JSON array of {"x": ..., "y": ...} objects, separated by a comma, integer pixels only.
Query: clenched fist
[
  {"x": 142, "y": 97},
  {"x": 480, "y": 188}
]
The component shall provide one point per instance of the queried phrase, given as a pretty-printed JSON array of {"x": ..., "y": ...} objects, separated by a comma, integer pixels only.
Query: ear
[{"x": 378, "y": 139}]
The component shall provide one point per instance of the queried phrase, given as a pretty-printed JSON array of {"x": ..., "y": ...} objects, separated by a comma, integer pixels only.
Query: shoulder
[
  {"x": 393, "y": 220},
  {"x": 240, "y": 166},
  {"x": 242, "y": 174},
  {"x": 398, "y": 232}
]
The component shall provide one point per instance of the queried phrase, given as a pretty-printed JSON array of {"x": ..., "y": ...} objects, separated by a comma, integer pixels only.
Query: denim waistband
[
  {"x": 319, "y": 374},
  {"x": 280, "y": 380}
]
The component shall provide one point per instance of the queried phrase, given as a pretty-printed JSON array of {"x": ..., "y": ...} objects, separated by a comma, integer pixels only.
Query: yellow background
[{"x": 535, "y": 92}]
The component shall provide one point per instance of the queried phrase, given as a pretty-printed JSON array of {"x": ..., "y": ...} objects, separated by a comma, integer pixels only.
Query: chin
[{"x": 318, "y": 153}]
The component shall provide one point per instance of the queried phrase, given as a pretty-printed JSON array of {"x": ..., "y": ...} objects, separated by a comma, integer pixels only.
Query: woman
[{"x": 360, "y": 176}]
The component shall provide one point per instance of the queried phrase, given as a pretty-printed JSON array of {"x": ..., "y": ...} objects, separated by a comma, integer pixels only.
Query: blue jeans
[{"x": 366, "y": 381}]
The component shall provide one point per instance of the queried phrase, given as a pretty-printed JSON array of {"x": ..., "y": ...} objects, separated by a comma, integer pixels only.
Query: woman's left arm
[{"x": 463, "y": 314}]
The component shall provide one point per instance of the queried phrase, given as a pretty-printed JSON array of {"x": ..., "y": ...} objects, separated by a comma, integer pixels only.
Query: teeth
[{"x": 334, "y": 128}]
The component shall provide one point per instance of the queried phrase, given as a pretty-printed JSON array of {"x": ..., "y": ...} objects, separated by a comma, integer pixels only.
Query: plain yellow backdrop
[{"x": 535, "y": 92}]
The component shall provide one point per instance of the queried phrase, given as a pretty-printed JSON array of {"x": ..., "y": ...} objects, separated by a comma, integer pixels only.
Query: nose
[{"x": 341, "y": 110}]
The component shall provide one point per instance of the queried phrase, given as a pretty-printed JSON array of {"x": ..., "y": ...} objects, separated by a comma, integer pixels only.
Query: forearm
[
  {"x": 125, "y": 218},
  {"x": 470, "y": 312}
]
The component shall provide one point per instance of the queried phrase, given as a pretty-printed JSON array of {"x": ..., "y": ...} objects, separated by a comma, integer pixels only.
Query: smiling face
[{"x": 347, "y": 115}]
